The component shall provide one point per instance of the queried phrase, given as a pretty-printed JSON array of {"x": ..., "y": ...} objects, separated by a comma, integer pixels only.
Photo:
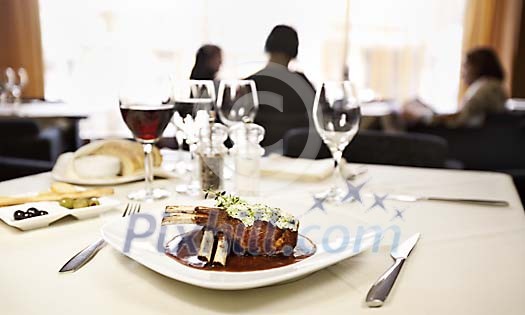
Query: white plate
[
  {"x": 145, "y": 251},
  {"x": 59, "y": 173},
  {"x": 55, "y": 212}
]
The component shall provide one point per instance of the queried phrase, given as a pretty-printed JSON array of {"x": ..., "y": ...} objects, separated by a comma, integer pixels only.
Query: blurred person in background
[
  {"x": 208, "y": 61},
  {"x": 483, "y": 74},
  {"x": 285, "y": 96}
]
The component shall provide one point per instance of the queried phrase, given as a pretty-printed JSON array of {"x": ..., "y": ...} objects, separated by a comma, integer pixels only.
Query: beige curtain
[
  {"x": 496, "y": 24},
  {"x": 20, "y": 42},
  {"x": 394, "y": 73}
]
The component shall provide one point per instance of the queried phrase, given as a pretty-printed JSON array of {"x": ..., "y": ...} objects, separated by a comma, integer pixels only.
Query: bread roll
[
  {"x": 97, "y": 166},
  {"x": 129, "y": 153}
]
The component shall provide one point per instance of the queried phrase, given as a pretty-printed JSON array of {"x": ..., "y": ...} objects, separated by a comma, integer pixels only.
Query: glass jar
[
  {"x": 247, "y": 154},
  {"x": 211, "y": 152}
]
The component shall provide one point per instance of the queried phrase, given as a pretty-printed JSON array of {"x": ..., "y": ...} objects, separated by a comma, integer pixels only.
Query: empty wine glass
[
  {"x": 194, "y": 101},
  {"x": 178, "y": 123},
  {"x": 147, "y": 110},
  {"x": 237, "y": 101},
  {"x": 3, "y": 89},
  {"x": 16, "y": 83},
  {"x": 336, "y": 118}
]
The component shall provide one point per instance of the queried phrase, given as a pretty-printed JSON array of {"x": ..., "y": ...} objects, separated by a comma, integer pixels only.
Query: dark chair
[
  {"x": 374, "y": 147},
  {"x": 497, "y": 146},
  {"x": 17, "y": 167},
  {"x": 18, "y": 128},
  {"x": 25, "y": 149},
  {"x": 24, "y": 139}
]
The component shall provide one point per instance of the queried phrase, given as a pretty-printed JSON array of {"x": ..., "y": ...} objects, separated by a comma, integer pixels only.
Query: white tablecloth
[{"x": 470, "y": 260}]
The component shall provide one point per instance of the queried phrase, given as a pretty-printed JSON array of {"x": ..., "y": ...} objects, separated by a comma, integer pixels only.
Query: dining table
[{"x": 470, "y": 258}]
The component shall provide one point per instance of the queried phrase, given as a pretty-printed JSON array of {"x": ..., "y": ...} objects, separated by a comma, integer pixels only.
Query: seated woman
[
  {"x": 286, "y": 97},
  {"x": 483, "y": 74},
  {"x": 208, "y": 61}
]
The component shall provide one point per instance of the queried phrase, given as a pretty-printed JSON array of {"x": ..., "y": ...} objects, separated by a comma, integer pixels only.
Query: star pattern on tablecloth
[
  {"x": 318, "y": 204},
  {"x": 353, "y": 192},
  {"x": 398, "y": 214},
  {"x": 378, "y": 202}
]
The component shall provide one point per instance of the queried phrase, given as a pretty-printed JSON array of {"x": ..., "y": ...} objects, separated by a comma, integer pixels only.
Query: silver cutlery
[
  {"x": 381, "y": 288},
  {"x": 85, "y": 255},
  {"x": 484, "y": 202}
]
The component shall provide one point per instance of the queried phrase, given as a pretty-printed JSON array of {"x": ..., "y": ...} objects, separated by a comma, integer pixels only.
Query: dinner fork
[{"x": 85, "y": 255}]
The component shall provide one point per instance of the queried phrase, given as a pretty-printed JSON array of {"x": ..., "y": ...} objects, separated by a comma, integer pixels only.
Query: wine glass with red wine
[{"x": 147, "y": 114}]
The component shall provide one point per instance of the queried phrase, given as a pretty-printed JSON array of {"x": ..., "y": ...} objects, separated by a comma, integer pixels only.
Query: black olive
[
  {"x": 42, "y": 212},
  {"x": 28, "y": 215},
  {"x": 32, "y": 211},
  {"x": 19, "y": 215}
]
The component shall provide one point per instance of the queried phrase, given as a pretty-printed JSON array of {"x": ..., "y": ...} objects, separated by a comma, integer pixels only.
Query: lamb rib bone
[
  {"x": 222, "y": 251},
  {"x": 206, "y": 247}
]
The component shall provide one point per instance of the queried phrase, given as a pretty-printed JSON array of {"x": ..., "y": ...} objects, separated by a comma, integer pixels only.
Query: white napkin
[{"x": 281, "y": 167}]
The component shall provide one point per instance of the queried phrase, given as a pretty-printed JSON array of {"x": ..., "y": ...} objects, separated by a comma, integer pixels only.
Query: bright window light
[{"x": 396, "y": 49}]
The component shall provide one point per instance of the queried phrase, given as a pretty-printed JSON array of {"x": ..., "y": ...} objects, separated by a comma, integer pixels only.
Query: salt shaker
[
  {"x": 247, "y": 154},
  {"x": 211, "y": 151}
]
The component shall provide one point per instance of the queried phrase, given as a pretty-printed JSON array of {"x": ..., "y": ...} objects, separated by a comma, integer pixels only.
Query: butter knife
[
  {"x": 85, "y": 255},
  {"x": 484, "y": 202},
  {"x": 381, "y": 288}
]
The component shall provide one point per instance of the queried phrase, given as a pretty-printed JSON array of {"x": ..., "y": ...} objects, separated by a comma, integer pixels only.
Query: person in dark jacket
[{"x": 286, "y": 97}]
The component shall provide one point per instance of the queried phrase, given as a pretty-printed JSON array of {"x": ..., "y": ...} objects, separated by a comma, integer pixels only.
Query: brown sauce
[{"x": 182, "y": 250}]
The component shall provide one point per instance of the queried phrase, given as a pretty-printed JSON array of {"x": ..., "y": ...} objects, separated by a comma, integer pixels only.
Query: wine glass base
[
  {"x": 332, "y": 195},
  {"x": 149, "y": 195},
  {"x": 191, "y": 190}
]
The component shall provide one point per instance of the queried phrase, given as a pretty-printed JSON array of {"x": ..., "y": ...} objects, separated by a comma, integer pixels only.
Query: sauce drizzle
[{"x": 182, "y": 249}]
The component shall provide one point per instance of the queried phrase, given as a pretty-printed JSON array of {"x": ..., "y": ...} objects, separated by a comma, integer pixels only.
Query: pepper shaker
[{"x": 211, "y": 151}]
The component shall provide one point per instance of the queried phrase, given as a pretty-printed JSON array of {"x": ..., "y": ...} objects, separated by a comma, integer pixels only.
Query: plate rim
[{"x": 298, "y": 269}]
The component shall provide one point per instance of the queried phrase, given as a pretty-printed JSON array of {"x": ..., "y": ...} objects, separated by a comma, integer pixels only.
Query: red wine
[{"x": 147, "y": 123}]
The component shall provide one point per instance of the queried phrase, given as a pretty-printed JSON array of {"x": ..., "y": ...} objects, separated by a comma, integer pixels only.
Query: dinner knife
[
  {"x": 381, "y": 288},
  {"x": 85, "y": 255},
  {"x": 484, "y": 202}
]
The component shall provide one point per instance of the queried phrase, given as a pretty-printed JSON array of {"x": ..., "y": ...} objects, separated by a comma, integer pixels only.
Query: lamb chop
[{"x": 237, "y": 227}]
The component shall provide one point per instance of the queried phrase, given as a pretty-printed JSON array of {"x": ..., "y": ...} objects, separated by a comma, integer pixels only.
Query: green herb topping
[{"x": 249, "y": 213}]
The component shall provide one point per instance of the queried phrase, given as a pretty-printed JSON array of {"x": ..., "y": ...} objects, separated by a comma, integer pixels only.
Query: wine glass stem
[
  {"x": 180, "y": 154},
  {"x": 336, "y": 176},
  {"x": 148, "y": 167},
  {"x": 194, "y": 166}
]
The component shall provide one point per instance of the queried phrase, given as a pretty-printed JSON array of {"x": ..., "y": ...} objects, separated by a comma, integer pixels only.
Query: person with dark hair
[
  {"x": 208, "y": 61},
  {"x": 286, "y": 97},
  {"x": 483, "y": 74}
]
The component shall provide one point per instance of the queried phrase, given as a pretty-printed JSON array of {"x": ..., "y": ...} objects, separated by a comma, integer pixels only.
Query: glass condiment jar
[
  {"x": 247, "y": 154},
  {"x": 211, "y": 152}
]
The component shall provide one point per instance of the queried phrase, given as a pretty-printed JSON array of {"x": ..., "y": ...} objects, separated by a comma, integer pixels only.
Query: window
[
  {"x": 408, "y": 48},
  {"x": 395, "y": 49}
]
